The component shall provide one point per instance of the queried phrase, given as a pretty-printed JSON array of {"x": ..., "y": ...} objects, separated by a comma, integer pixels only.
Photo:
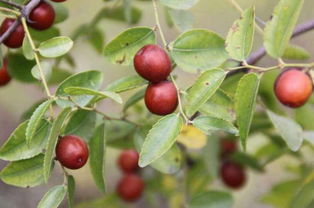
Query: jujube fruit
[
  {"x": 42, "y": 16},
  {"x": 232, "y": 174},
  {"x": 227, "y": 147},
  {"x": 161, "y": 98},
  {"x": 128, "y": 161},
  {"x": 72, "y": 152},
  {"x": 152, "y": 63},
  {"x": 15, "y": 39},
  {"x": 293, "y": 87},
  {"x": 130, "y": 187},
  {"x": 4, "y": 75}
]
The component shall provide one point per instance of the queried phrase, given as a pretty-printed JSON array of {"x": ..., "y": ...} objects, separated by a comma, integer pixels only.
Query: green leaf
[
  {"x": 27, "y": 49},
  {"x": 47, "y": 70},
  {"x": 294, "y": 52},
  {"x": 96, "y": 39},
  {"x": 29, "y": 112},
  {"x": 100, "y": 95},
  {"x": 43, "y": 35},
  {"x": 182, "y": 19},
  {"x": 139, "y": 95},
  {"x": 53, "y": 198},
  {"x": 290, "y": 131},
  {"x": 239, "y": 41},
  {"x": 70, "y": 190},
  {"x": 52, "y": 141},
  {"x": 160, "y": 139},
  {"x": 179, "y": 4},
  {"x": 210, "y": 124},
  {"x": 169, "y": 163},
  {"x": 216, "y": 110},
  {"x": 118, "y": 130},
  {"x": 212, "y": 199},
  {"x": 58, "y": 76},
  {"x": 20, "y": 68},
  {"x": 247, "y": 160},
  {"x": 203, "y": 88},
  {"x": 245, "y": 99},
  {"x": 281, "y": 194},
  {"x": 97, "y": 148},
  {"x": 16, "y": 147},
  {"x": 55, "y": 47},
  {"x": 304, "y": 197},
  {"x": 87, "y": 79},
  {"x": 24, "y": 173},
  {"x": 62, "y": 12},
  {"x": 279, "y": 29},
  {"x": 118, "y": 14},
  {"x": 35, "y": 120},
  {"x": 82, "y": 123},
  {"x": 211, "y": 154},
  {"x": 126, "y": 83},
  {"x": 198, "y": 50},
  {"x": 122, "y": 49}
]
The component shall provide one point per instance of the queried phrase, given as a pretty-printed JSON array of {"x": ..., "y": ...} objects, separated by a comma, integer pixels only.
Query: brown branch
[{"x": 11, "y": 29}]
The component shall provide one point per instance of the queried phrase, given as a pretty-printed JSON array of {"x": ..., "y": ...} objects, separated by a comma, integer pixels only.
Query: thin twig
[
  {"x": 9, "y": 31},
  {"x": 158, "y": 24}
]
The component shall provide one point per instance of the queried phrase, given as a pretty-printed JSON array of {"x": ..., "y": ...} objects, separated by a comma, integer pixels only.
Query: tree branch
[
  {"x": 25, "y": 11},
  {"x": 13, "y": 4}
]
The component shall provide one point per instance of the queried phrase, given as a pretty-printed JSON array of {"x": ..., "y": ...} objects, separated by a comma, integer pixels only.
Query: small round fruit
[
  {"x": 227, "y": 147},
  {"x": 152, "y": 63},
  {"x": 128, "y": 161},
  {"x": 130, "y": 187},
  {"x": 293, "y": 87},
  {"x": 42, "y": 16},
  {"x": 4, "y": 75},
  {"x": 232, "y": 174},
  {"x": 15, "y": 39},
  {"x": 161, "y": 98},
  {"x": 72, "y": 152}
]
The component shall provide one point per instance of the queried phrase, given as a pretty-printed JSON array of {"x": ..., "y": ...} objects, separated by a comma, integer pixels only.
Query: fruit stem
[
  {"x": 7, "y": 33},
  {"x": 158, "y": 24},
  {"x": 43, "y": 79},
  {"x": 187, "y": 121},
  {"x": 238, "y": 7}
]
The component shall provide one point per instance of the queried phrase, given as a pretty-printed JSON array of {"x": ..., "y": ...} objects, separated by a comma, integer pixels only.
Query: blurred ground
[{"x": 216, "y": 15}]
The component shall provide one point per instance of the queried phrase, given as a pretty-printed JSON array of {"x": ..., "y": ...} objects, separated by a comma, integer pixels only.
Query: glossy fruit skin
[
  {"x": 72, "y": 152},
  {"x": 130, "y": 187},
  {"x": 232, "y": 174},
  {"x": 42, "y": 16},
  {"x": 4, "y": 75},
  {"x": 227, "y": 147},
  {"x": 293, "y": 87},
  {"x": 161, "y": 98},
  {"x": 152, "y": 63},
  {"x": 15, "y": 40},
  {"x": 128, "y": 161}
]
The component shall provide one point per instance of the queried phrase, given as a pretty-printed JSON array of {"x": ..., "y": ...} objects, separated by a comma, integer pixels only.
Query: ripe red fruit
[
  {"x": 4, "y": 75},
  {"x": 42, "y": 16},
  {"x": 293, "y": 87},
  {"x": 15, "y": 39},
  {"x": 152, "y": 63},
  {"x": 161, "y": 98},
  {"x": 128, "y": 161},
  {"x": 227, "y": 147},
  {"x": 232, "y": 174},
  {"x": 130, "y": 187},
  {"x": 72, "y": 152}
]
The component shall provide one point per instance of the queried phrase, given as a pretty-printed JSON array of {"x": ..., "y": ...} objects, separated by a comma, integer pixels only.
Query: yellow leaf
[{"x": 192, "y": 137}]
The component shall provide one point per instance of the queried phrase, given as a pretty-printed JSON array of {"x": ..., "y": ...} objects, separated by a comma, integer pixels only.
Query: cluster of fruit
[
  {"x": 153, "y": 64},
  {"x": 231, "y": 173},
  {"x": 131, "y": 185}
]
